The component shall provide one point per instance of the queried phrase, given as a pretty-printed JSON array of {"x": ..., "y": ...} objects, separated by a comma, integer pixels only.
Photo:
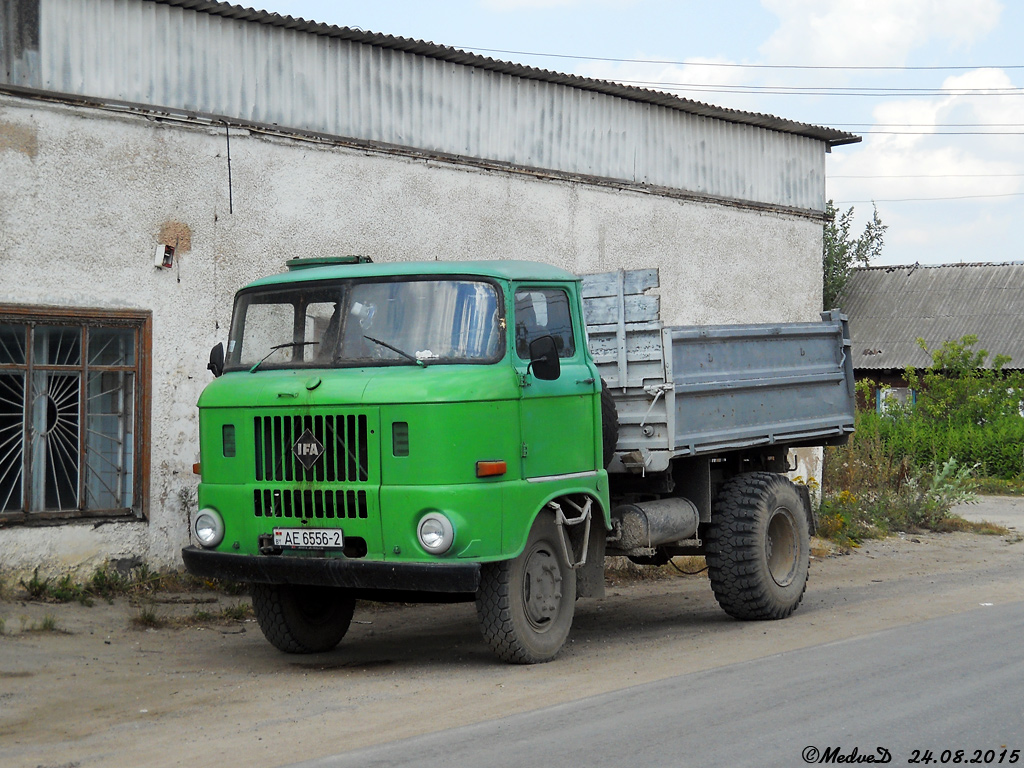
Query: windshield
[{"x": 358, "y": 323}]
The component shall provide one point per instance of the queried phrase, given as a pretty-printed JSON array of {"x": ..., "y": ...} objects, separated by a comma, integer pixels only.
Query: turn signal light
[
  {"x": 197, "y": 469},
  {"x": 491, "y": 468}
]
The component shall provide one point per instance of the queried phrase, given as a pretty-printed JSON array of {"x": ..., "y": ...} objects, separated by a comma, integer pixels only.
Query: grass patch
[
  {"x": 47, "y": 624},
  {"x": 955, "y": 523},
  {"x": 148, "y": 617},
  {"x": 688, "y": 565},
  {"x": 621, "y": 569},
  {"x": 229, "y": 614},
  {"x": 995, "y": 486},
  {"x": 108, "y": 582},
  {"x": 237, "y": 612}
]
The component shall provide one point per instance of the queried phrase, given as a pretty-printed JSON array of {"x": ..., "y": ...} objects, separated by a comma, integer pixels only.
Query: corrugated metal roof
[
  {"x": 830, "y": 136},
  {"x": 891, "y": 307},
  {"x": 221, "y": 60}
]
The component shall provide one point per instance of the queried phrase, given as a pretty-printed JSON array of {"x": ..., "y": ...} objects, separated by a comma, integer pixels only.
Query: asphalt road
[{"x": 953, "y": 683}]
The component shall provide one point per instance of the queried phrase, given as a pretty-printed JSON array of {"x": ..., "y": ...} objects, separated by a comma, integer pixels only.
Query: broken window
[{"x": 69, "y": 413}]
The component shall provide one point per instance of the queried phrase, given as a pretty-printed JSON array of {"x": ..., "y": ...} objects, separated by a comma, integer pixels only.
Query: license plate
[{"x": 309, "y": 538}]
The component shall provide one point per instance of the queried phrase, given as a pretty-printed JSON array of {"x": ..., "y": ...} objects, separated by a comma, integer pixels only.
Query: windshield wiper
[
  {"x": 276, "y": 347},
  {"x": 396, "y": 350}
]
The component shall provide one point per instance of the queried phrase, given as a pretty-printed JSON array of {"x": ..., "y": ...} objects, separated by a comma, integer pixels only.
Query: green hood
[{"x": 362, "y": 386}]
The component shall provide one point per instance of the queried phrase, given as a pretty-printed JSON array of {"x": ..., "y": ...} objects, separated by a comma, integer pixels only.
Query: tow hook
[{"x": 266, "y": 545}]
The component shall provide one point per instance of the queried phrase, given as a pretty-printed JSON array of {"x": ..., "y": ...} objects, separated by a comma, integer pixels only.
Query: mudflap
[{"x": 590, "y": 576}]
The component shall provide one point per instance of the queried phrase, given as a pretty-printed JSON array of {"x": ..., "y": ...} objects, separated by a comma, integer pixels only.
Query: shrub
[{"x": 871, "y": 487}]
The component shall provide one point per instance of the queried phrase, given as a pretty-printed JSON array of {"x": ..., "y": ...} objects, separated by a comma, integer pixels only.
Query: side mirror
[
  {"x": 544, "y": 359},
  {"x": 217, "y": 359}
]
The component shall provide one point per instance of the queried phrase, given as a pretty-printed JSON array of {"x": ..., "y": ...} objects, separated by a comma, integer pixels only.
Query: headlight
[
  {"x": 436, "y": 533},
  {"x": 208, "y": 528}
]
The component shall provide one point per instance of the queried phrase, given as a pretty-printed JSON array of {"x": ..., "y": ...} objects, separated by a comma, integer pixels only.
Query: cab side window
[{"x": 543, "y": 312}]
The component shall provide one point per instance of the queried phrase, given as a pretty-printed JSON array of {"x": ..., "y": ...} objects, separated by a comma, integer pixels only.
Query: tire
[
  {"x": 609, "y": 424},
  {"x": 526, "y": 605},
  {"x": 302, "y": 619},
  {"x": 758, "y": 547}
]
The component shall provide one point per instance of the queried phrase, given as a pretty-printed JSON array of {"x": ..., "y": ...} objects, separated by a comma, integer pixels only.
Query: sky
[{"x": 934, "y": 87}]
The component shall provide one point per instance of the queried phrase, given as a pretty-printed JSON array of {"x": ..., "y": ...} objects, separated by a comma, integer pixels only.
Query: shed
[{"x": 891, "y": 307}]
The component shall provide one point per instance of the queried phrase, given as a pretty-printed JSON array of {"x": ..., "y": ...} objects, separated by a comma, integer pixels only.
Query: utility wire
[
  {"x": 730, "y": 65},
  {"x": 928, "y": 125},
  {"x": 781, "y": 90},
  {"x": 927, "y": 176},
  {"x": 942, "y": 133},
  {"x": 924, "y": 199}
]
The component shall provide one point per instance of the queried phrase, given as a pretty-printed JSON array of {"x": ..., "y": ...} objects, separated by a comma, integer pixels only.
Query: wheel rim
[
  {"x": 542, "y": 589},
  {"x": 781, "y": 547}
]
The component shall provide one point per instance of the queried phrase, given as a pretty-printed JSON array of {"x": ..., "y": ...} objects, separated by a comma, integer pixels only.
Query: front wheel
[
  {"x": 758, "y": 547},
  {"x": 302, "y": 619},
  {"x": 526, "y": 605}
]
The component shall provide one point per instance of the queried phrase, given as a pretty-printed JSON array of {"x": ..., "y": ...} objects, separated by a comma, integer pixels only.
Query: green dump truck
[{"x": 490, "y": 431}]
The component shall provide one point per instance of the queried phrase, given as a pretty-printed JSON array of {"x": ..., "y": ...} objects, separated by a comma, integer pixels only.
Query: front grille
[
  {"x": 346, "y": 454},
  {"x": 309, "y": 504}
]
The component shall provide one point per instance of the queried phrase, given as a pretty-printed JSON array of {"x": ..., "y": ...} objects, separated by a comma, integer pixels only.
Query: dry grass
[
  {"x": 47, "y": 624},
  {"x": 148, "y": 617},
  {"x": 823, "y": 548},
  {"x": 620, "y": 570},
  {"x": 953, "y": 523}
]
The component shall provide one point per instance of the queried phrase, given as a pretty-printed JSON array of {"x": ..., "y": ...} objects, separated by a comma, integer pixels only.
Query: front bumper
[{"x": 367, "y": 577}]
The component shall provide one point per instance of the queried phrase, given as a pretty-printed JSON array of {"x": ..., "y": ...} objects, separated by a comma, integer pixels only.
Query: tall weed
[{"x": 870, "y": 489}]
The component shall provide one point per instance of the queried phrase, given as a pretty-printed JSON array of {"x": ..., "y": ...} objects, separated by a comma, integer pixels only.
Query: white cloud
[
  {"x": 872, "y": 32},
  {"x": 976, "y": 173},
  {"x": 925, "y": 149}
]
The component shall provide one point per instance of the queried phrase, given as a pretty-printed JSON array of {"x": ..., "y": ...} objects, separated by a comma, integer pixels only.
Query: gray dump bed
[{"x": 719, "y": 388}]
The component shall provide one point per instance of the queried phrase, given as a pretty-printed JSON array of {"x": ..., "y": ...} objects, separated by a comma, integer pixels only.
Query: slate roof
[{"x": 891, "y": 307}]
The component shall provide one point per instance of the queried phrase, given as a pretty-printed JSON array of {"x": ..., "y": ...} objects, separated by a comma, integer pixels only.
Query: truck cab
[{"x": 388, "y": 430}]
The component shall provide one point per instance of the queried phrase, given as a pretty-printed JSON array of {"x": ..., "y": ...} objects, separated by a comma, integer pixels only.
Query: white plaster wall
[{"x": 86, "y": 192}]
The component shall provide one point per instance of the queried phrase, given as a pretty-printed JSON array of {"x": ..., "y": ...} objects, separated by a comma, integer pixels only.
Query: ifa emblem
[{"x": 308, "y": 449}]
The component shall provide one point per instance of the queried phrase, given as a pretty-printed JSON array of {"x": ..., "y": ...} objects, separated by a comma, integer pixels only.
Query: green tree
[
  {"x": 967, "y": 406},
  {"x": 842, "y": 251},
  {"x": 961, "y": 388}
]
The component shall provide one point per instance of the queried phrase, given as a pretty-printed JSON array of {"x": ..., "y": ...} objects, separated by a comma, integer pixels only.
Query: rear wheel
[
  {"x": 526, "y": 605},
  {"x": 758, "y": 547},
  {"x": 302, "y": 619}
]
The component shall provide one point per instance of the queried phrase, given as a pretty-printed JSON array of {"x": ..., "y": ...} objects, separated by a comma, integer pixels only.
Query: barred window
[{"x": 70, "y": 412}]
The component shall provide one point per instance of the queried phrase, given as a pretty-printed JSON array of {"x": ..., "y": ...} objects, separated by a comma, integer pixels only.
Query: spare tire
[{"x": 609, "y": 424}]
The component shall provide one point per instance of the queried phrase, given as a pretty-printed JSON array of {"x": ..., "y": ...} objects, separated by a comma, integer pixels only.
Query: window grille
[{"x": 70, "y": 404}]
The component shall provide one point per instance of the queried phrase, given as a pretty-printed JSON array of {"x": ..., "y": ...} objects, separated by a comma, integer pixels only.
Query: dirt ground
[{"x": 94, "y": 691}]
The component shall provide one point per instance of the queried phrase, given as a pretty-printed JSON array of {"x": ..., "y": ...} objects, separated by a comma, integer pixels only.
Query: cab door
[{"x": 557, "y": 417}]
